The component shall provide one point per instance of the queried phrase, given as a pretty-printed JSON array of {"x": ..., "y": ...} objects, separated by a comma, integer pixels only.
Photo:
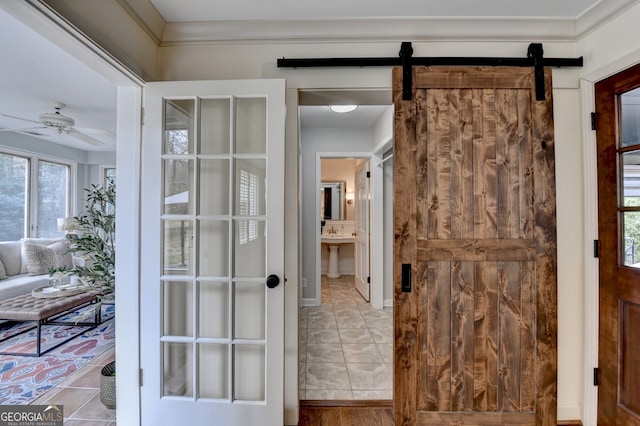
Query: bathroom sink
[{"x": 337, "y": 239}]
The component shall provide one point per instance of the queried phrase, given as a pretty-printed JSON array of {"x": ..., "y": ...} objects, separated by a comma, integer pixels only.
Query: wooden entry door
[
  {"x": 475, "y": 305},
  {"x": 618, "y": 135}
]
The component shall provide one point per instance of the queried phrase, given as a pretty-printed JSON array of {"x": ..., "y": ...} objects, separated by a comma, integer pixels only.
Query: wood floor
[
  {"x": 346, "y": 413},
  {"x": 357, "y": 413}
]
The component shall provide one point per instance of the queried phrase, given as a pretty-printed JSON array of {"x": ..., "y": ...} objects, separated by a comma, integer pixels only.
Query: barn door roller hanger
[{"x": 535, "y": 59}]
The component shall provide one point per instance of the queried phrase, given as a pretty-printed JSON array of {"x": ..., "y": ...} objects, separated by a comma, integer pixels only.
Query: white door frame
[{"x": 375, "y": 220}]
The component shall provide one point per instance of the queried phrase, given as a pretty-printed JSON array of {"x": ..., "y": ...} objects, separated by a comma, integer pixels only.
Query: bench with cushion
[{"x": 46, "y": 311}]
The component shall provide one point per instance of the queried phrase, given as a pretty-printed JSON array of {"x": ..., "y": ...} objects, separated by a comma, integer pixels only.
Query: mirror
[{"x": 332, "y": 200}]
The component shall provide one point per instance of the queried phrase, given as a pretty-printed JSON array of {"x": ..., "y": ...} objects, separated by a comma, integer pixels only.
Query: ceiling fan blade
[
  {"x": 95, "y": 131},
  {"x": 23, "y": 130},
  {"x": 85, "y": 138},
  {"x": 19, "y": 118}
]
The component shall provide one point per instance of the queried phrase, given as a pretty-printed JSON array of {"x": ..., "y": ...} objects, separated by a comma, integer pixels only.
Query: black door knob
[{"x": 273, "y": 281}]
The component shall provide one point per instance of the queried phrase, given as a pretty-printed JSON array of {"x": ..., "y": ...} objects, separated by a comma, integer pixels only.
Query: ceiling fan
[{"x": 58, "y": 122}]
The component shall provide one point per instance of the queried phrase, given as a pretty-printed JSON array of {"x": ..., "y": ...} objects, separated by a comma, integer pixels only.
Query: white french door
[
  {"x": 212, "y": 312},
  {"x": 362, "y": 207}
]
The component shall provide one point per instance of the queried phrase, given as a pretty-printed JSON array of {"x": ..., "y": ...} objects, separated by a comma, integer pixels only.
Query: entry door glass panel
[
  {"x": 214, "y": 294},
  {"x": 630, "y": 118},
  {"x": 629, "y": 177}
]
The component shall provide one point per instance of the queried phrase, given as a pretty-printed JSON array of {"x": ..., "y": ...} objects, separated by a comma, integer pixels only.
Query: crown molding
[
  {"x": 601, "y": 13},
  {"x": 377, "y": 29},
  {"x": 146, "y": 16}
]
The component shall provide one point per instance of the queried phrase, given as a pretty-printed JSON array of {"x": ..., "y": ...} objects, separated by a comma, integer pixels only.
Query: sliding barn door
[{"x": 475, "y": 249}]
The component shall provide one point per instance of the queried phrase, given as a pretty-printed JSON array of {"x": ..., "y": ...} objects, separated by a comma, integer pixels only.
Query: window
[
  {"x": 53, "y": 197},
  {"x": 34, "y": 193},
  {"x": 108, "y": 175},
  {"x": 14, "y": 172}
]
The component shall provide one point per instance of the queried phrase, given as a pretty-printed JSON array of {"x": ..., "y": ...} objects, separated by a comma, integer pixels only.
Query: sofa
[{"x": 25, "y": 264}]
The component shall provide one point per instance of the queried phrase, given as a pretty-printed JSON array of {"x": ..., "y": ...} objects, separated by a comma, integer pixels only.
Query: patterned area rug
[{"x": 23, "y": 378}]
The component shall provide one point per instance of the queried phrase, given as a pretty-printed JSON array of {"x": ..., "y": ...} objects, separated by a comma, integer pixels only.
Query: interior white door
[
  {"x": 362, "y": 198},
  {"x": 212, "y": 321}
]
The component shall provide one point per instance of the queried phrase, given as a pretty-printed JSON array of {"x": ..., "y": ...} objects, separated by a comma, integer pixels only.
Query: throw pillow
[
  {"x": 3, "y": 272},
  {"x": 63, "y": 255},
  {"x": 10, "y": 257},
  {"x": 39, "y": 241},
  {"x": 40, "y": 258}
]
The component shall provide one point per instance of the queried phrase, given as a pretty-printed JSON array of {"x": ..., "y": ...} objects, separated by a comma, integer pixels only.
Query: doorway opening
[{"x": 346, "y": 333}]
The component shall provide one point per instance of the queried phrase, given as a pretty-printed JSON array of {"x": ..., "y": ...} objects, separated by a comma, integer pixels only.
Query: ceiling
[
  {"x": 36, "y": 72},
  {"x": 237, "y": 10}
]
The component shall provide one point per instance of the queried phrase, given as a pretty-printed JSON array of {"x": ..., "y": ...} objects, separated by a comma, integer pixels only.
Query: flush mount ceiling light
[{"x": 342, "y": 108}]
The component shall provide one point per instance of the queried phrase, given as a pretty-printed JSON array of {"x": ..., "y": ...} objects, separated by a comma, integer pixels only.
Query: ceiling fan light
[{"x": 341, "y": 109}]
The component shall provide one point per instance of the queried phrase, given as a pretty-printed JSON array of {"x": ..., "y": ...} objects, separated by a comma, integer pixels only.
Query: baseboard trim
[
  {"x": 569, "y": 423},
  {"x": 310, "y": 302}
]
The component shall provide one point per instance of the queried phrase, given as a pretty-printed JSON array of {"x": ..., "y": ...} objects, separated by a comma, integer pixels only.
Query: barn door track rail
[{"x": 535, "y": 58}]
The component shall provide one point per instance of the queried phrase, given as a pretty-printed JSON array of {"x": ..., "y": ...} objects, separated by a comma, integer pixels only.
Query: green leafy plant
[{"x": 95, "y": 241}]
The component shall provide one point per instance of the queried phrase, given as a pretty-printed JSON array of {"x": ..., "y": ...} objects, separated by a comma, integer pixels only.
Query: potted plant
[{"x": 95, "y": 241}]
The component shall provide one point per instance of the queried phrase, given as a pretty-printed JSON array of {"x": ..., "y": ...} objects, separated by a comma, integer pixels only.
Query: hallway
[{"x": 346, "y": 347}]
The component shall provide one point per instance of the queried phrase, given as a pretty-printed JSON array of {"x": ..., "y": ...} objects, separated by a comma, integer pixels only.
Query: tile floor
[
  {"x": 80, "y": 395},
  {"x": 346, "y": 346}
]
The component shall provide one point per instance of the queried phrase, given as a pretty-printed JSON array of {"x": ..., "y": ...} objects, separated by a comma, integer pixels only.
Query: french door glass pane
[
  {"x": 213, "y": 248},
  {"x": 178, "y": 247},
  {"x": 13, "y": 181},
  {"x": 178, "y": 186},
  {"x": 178, "y": 369},
  {"x": 249, "y": 310},
  {"x": 213, "y": 317},
  {"x": 214, "y": 176},
  {"x": 53, "y": 185},
  {"x": 250, "y": 243},
  {"x": 251, "y": 125},
  {"x": 215, "y": 116},
  {"x": 213, "y": 371},
  {"x": 250, "y": 190},
  {"x": 178, "y": 126},
  {"x": 179, "y": 320},
  {"x": 249, "y": 382}
]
